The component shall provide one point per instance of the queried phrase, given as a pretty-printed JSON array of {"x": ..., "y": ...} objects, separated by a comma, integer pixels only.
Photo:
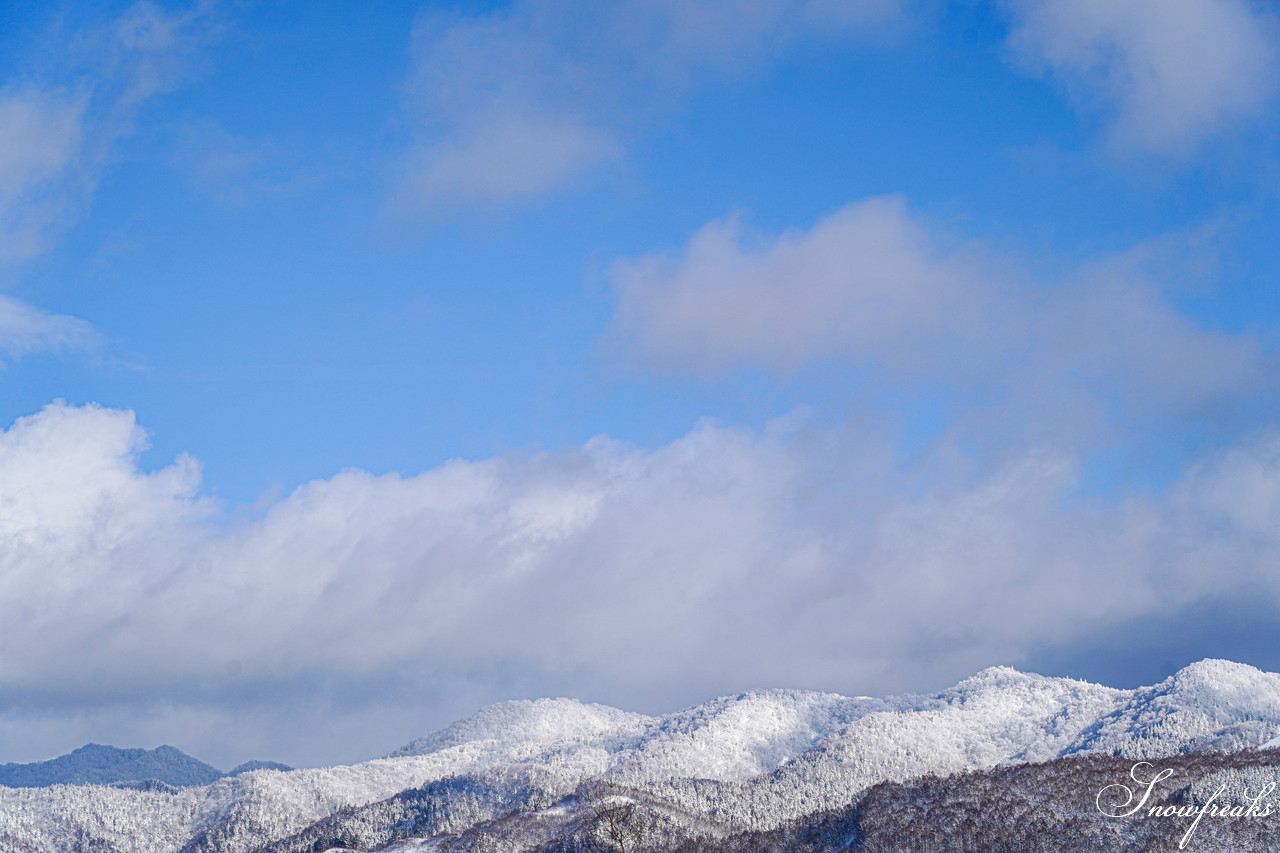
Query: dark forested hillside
[{"x": 1050, "y": 807}]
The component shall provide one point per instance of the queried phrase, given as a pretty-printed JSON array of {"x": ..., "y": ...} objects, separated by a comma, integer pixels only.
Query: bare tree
[{"x": 613, "y": 823}]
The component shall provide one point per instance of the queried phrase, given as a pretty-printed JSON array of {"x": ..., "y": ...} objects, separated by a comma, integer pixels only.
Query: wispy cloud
[
  {"x": 1169, "y": 74},
  {"x": 526, "y": 100},
  {"x": 41, "y": 135},
  {"x": 59, "y": 128},
  {"x": 25, "y": 330}
]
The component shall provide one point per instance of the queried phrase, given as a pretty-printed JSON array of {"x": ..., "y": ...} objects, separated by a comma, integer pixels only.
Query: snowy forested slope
[{"x": 752, "y": 761}]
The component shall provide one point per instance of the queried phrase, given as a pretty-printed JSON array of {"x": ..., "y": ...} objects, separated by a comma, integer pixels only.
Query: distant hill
[
  {"x": 95, "y": 764},
  {"x": 250, "y": 766}
]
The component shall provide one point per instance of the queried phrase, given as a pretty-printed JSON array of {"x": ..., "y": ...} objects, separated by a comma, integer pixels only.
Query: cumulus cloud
[
  {"x": 873, "y": 287},
  {"x": 525, "y": 100},
  {"x": 726, "y": 559},
  {"x": 1171, "y": 73}
]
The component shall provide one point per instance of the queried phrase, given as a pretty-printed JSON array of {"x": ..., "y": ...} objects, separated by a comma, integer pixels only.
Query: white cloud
[
  {"x": 528, "y": 99},
  {"x": 24, "y": 329},
  {"x": 504, "y": 157},
  {"x": 873, "y": 288},
  {"x": 727, "y": 559},
  {"x": 1172, "y": 72},
  {"x": 57, "y": 132},
  {"x": 58, "y": 129},
  {"x": 865, "y": 281},
  {"x": 41, "y": 136}
]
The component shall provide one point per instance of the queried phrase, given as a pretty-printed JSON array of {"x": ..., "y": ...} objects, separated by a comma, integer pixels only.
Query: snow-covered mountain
[
  {"x": 1213, "y": 705},
  {"x": 250, "y": 766},
  {"x": 96, "y": 764},
  {"x": 102, "y": 765},
  {"x": 749, "y": 762}
]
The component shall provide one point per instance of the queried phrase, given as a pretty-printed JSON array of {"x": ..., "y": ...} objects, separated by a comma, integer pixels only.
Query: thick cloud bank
[{"x": 725, "y": 559}]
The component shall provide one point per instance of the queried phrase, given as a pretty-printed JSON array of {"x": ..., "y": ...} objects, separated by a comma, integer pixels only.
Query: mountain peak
[
  {"x": 999, "y": 673},
  {"x": 1216, "y": 673},
  {"x": 98, "y": 749},
  {"x": 251, "y": 766},
  {"x": 524, "y": 723},
  {"x": 997, "y": 678},
  {"x": 99, "y": 764},
  {"x": 1217, "y": 684}
]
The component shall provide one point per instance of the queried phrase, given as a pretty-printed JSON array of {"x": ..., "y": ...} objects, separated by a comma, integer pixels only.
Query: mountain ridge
[
  {"x": 752, "y": 761},
  {"x": 101, "y": 764}
]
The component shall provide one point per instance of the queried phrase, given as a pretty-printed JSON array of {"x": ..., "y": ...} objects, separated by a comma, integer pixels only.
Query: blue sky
[{"x": 366, "y": 364}]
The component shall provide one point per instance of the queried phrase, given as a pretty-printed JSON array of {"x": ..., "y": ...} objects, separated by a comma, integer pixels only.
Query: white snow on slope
[
  {"x": 734, "y": 739},
  {"x": 830, "y": 746},
  {"x": 523, "y": 730},
  {"x": 1210, "y": 705},
  {"x": 730, "y": 739}
]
